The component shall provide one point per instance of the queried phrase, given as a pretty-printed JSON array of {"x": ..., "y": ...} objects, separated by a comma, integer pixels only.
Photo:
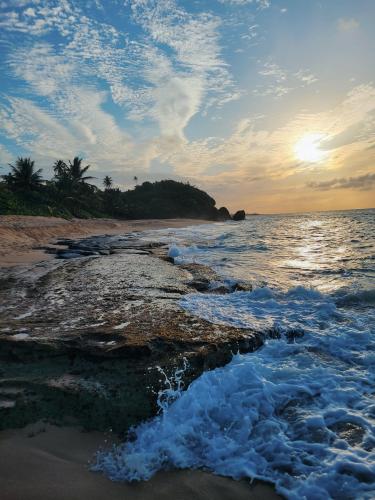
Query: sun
[{"x": 307, "y": 148}]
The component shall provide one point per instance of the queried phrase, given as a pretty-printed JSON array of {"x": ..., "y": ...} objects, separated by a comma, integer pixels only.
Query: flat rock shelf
[{"x": 83, "y": 337}]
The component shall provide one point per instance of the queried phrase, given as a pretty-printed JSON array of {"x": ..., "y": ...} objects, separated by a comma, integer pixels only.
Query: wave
[
  {"x": 358, "y": 298},
  {"x": 263, "y": 308},
  {"x": 180, "y": 253},
  {"x": 299, "y": 414}
]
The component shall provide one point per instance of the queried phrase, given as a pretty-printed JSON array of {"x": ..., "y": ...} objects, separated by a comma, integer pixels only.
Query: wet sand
[
  {"x": 21, "y": 235},
  {"x": 45, "y": 462}
]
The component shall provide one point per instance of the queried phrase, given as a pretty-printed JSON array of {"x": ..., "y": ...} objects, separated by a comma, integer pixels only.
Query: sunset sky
[{"x": 269, "y": 105}]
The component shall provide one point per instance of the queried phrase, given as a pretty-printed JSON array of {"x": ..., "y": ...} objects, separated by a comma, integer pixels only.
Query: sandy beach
[
  {"x": 44, "y": 462},
  {"x": 21, "y": 235}
]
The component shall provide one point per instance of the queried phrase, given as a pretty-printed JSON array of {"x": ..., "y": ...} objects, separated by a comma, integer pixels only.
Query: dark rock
[
  {"x": 200, "y": 274},
  {"x": 89, "y": 247},
  {"x": 200, "y": 285},
  {"x": 68, "y": 255},
  {"x": 223, "y": 214},
  {"x": 239, "y": 215},
  {"x": 220, "y": 290},
  {"x": 294, "y": 334},
  {"x": 242, "y": 286},
  {"x": 64, "y": 242}
]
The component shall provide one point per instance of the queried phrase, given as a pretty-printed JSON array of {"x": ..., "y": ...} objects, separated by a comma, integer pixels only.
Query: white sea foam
[
  {"x": 182, "y": 254},
  {"x": 298, "y": 414}
]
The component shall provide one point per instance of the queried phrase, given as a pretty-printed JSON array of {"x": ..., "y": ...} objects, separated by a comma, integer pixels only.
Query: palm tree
[
  {"x": 60, "y": 168},
  {"x": 76, "y": 171},
  {"x": 23, "y": 176},
  {"x": 107, "y": 182}
]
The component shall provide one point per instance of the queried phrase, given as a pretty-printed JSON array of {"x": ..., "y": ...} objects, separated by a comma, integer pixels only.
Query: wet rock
[
  {"x": 94, "y": 331},
  {"x": 201, "y": 285},
  {"x": 200, "y": 273},
  {"x": 221, "y": 289},
  {"x": 239, "y": 215},
  {"x": 294, "y": 334},
  {"x": 242, "y": 286},
  {"x": 129, "y": 251},
  {"x": 64, "y": 242},
  {"x": 68, "y": 255}
]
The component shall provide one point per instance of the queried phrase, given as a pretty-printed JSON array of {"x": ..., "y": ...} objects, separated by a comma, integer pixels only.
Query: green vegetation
[{"x": 70, "y": 194}]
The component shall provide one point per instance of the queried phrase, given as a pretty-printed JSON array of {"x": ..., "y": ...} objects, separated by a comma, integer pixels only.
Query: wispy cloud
[
  {"x": 253, "y": 151},
  {"x": 172, "y": 71},
  {"x": 362, "y": 182},
  {"x": 282, "y": 80},
  {"x": 262, "y": 4},
  {"x": 347, "y": 25}
]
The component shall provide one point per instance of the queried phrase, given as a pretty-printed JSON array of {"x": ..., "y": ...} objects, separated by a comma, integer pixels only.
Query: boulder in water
[
  {"x": 223, "y": 214},
  {"x": 239, "y": 215}
]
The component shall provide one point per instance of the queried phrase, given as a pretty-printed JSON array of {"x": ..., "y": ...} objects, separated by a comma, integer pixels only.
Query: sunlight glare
[{"x": 307, "y": 148}]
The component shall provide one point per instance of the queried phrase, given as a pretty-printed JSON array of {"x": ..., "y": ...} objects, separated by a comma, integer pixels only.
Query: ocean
[{"x": 300, "y": 411}]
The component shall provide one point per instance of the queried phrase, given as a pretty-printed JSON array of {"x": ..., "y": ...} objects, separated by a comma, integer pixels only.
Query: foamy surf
[{"x": 299, "y": 414}]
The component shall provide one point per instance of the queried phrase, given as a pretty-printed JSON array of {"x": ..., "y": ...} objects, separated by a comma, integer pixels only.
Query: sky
[{"x": 269, "y": 105}]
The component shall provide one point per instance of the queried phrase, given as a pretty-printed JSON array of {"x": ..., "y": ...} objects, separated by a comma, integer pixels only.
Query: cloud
[
  {"x": 176, "y": 101},
  {"x": 5, "y": 157},
  {"x": 262, "y": 4},
  {"x": 193, "y": 61},
  {"x": 347, "y": 25},
  {"x": 283, "y": 81},
  {"x": 252, "y": 151},
  {"x": 306, "y": 77},
  {"x": 169, "y": 72},
  {"x": 86, "y": 130},
  {"x": 362, "y": 182},
  {"x": 363, "y": 130}
]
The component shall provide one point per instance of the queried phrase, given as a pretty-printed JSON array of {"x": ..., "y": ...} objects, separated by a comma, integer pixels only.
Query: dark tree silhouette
[
  {"x": 23, "y": 176},
  {"x": 76, "y": 171},
  {"x": 68, "y": 194},
  {"x": 60, "y": 168},
  {"x": 107, "y": 182}
]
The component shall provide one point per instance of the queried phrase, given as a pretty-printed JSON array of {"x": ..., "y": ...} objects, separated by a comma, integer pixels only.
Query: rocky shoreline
[{"x": 84, "y": 336}]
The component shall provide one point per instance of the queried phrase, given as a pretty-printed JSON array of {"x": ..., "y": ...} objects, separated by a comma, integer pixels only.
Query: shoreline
[
  {"x": 22, "y": 236},
  {"x": 52, "y": 463}
]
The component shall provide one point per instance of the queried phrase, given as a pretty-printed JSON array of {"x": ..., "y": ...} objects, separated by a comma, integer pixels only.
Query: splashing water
[{"x": 299, "y": 412}]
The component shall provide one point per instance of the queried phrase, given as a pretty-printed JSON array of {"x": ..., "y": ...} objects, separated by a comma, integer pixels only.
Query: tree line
[{"x": 71, "y": 194}]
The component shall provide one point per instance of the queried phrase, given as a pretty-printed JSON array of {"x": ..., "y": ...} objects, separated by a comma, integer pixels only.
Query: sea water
[{"x": 300, "y": 411}]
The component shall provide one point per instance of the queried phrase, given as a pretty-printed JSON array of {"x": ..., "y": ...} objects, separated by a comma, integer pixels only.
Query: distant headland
[{"x": 23, "y": 191}]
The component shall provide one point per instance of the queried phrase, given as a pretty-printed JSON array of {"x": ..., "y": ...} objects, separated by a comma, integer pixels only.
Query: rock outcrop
[
  {"x": 83, "y": 339},
  {"x": 239, "y": 215},
  {"x": 223, "y": 214}
]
